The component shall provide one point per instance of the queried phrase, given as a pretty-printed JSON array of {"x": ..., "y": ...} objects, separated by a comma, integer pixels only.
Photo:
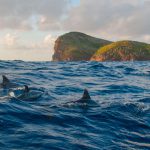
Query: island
[
  {"x": 76, "y": 46},
  {"x": 123, "y": 51}
]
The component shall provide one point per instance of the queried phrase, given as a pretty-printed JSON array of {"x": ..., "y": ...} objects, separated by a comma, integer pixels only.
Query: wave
[{"x": 117, "y": 117}]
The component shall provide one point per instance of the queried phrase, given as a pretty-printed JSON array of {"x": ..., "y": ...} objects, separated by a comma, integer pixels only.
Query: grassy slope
[{"x": 123, "y": 50}]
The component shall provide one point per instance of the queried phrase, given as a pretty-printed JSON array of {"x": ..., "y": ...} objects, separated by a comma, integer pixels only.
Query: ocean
[{"x": 118, "y": 120}]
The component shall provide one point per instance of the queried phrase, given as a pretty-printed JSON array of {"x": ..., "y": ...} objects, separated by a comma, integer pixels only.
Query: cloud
[
  {"x": 49, "y": 40},
  {"x": 116, "y": 18},
  {"x": 10, "y": 40},
  {"x": 146, "y": 38},
  {"x": 14, "y": 47},
  {"x": 20, "y": 14},
  {"x": 42, "y": 19}
]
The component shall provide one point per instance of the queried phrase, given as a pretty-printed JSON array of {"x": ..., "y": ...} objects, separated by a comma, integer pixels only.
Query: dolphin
[
  {"x": 6, "y": 84},
  {"x": 25, "y": 93},
  {"x": 85, "y": 100},
  {"x": 26, "y": 89},
  {"x": 19, "y": 91},
  {"x": 85, "y": 97}
]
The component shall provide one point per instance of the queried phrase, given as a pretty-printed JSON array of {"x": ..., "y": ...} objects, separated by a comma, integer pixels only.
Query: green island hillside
[
  {"x": 123, "y": 51},
  {"x": 76, "y": 46}
]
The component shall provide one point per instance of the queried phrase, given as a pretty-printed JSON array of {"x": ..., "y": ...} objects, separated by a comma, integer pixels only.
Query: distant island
[{"x": 76, "y": 46}]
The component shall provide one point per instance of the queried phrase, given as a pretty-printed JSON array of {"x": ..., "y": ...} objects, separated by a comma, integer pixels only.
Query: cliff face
[
  {"x": 123, "y": 51},
  {"x": 75, "y": 46}
]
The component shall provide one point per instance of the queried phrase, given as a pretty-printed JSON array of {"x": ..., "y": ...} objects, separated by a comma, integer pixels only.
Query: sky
[{"x": 29, "y": 28}]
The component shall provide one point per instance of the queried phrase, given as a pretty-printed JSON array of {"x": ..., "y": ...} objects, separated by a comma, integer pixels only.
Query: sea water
[{"x": 120, "y": 120}]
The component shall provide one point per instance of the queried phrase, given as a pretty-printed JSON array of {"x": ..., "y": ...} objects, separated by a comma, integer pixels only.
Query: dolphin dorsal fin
[
  {"x": 5, "y": 80},
  {"x": 86, "y": 95},
  {"x": 26, "y": 88}
]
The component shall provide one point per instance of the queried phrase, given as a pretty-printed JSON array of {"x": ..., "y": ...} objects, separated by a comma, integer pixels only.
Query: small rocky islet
[{"x": 76, "y": 46}]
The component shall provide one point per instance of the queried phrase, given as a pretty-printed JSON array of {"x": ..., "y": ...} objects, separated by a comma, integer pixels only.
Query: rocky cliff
[
  {"x": 76, "y": 46},
  {"x": 123, "y": 51}
]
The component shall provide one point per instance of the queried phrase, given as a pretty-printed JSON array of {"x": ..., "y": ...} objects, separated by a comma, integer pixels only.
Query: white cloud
[
  {"x": 49, "y": 40},
  {"x": 10, "y": 40},
  {"x": 14, "y": 47},
  {"x": 147, "y": 38}
]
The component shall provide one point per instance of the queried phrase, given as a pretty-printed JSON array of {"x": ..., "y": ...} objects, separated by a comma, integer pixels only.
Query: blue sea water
[{"x": 118, "y": 120}]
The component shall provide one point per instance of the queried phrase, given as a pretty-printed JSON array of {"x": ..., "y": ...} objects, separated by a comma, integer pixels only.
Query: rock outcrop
[{"x": 76, "y": 46}]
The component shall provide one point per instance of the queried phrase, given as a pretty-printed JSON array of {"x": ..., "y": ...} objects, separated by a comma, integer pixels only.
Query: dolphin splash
[{"x": 25, "y": 93}]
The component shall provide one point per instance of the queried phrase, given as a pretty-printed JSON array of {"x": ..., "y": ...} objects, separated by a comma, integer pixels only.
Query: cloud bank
[
  {"x": 124, "y": 17},
  {"x": 127, "y": 18},
  {"x": 20, "y": 14},
  {"x": 110, "y": 19}
]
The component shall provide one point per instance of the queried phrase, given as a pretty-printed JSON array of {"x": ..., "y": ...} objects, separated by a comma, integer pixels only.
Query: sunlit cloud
[
  {"x": 13, "y": 47},
  {"x": 10, "y": 40},
  {"x": 49, "y": 39},
  {"x": 31, "y": 27}
]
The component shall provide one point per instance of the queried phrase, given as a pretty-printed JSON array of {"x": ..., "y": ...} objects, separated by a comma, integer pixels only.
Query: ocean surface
[{"x": 117, "y": 117}]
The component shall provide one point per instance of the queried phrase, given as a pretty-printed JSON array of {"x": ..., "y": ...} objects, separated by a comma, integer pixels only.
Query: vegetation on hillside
[{"x": 123, "y": 51}]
